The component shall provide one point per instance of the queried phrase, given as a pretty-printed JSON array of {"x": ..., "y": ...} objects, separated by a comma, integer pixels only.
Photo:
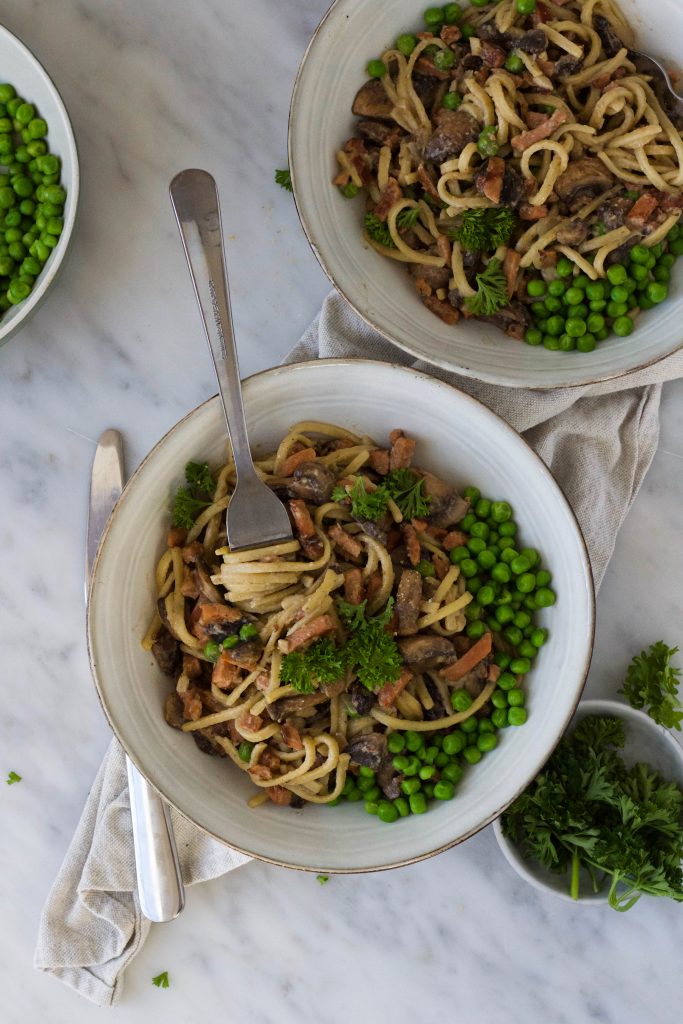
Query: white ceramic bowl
[
  {"x": 30, "y": 79},
  {"x": 380, "y": 290},
  {"x": 457, "y": 438},
  {"x": 645, "y": 741}
]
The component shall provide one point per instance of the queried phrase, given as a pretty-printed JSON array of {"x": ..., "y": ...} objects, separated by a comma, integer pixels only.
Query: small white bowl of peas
[{"x": 39, "y": 183}]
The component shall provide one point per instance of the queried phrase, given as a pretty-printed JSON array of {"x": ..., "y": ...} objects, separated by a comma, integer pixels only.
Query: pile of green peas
[
  {"x": 509, "y": 586},
  {"x": 573, "y": 313},
  {"x": 31, "y": 197}
]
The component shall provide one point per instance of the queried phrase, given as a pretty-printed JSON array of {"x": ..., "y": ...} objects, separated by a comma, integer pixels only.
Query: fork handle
[{"x": 194, "y": 198}]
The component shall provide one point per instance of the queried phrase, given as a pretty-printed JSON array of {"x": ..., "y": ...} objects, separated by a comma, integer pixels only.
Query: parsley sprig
[
  {"x": 483, "y": 230},
  {"x": 491, "y": 294},
  {"x": 403, "y": 486},
  {"x": 283, "y": 178},
  {"x": 378, "y": 231},
  {"x": 652, "y": 683},
  {"x": 369, "y": 652},
  {"x": 12, "y": 778},
  {"x": 305, "y": 670},
  {"x": 589, "y": 809},
  {"x": 190, "y": 500},
  {"x": 161, "y": 980}
]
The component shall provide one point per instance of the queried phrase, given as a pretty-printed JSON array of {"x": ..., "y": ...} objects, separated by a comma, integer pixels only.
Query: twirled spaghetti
[
  {"x": 298, "y": 661},
  {"x": 544, "y": 115}
]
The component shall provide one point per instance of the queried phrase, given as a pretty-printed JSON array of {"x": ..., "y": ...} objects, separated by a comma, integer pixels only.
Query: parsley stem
[{"x": 576, "y": 864}]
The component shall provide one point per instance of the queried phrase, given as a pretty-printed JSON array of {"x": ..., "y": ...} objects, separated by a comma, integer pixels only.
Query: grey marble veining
[{"x": 153, "y": 87}]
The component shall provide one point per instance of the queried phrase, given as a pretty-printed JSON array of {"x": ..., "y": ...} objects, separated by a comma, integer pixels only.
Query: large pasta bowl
[
  {"x": 381, "y": 292},
  {"x": 459, "y": 439}
]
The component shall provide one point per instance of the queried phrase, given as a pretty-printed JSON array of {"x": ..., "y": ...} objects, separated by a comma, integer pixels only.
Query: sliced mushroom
[
  {"x": 380, "y": 132},
  {"x": 313, "y": 482},
  {"x": 206, "y": 744},
  {"x": 455, "y": 130},
  {"x": 446, "y": 507},
  {"x": 368, "y": 750},
  {"x": 173, "y": 711},
  {"x": 362, "y": 700},
  {"x": 573, "y": 233},
  {"x": 514, "y": 319},
  {"x": 438, "y": 710},
  {"x": 613, "y": 212},
  {"x": 372, "y": 101},
  {"x": 284, "y": 708},
  {"x": 427, "y": 651},
  {"x": 408, "y": 600},
  {"x": 389, "y": 779},
  {"x": 435, "y": 277},
  {"x": 583, "y": 180},
  {"x": 376, "y": 530},
  {"x": 610, "y": 40},
  {"x": 204, "y": 584},
  {"x": 566, "y": 66},
  {"x": 166, "y": 651},
  {"x": 534, "y": 41}
]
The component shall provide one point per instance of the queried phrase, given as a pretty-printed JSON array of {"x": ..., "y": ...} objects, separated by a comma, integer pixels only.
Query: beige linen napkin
[{"x": 598, "y": 441}]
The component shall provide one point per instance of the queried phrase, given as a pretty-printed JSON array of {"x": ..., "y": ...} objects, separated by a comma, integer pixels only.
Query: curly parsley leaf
[
  {"x": 484, "y": 230},
  {"x": 12, "y": 778},
  {"x": 365, "y": 504},
  {"x": 161, "y": 980},
  {"x": 323, "y": 879},
  {"x": 406, "y": 489},
  {"x": 370, "y": 651},
  {"x": 407, "y": 218},
  {"x": 199, "y": 479},
  {"x": 491, "y": 294},
  {"x": 322, "y": 662},
  {"x": 589, "y": 809},
  {"x": 378, "y": 231},
  {"x": 283, "y": 178},
  {"x": 652, "y": 683},
  {"x": 189, "y": 502}
]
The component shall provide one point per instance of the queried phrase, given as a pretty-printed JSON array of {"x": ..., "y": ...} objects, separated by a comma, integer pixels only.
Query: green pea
[
  {"x": 458, "y": 553},
  {"x": 480, "y": 530},
  {"x": 376, "y": 69},
  {"x": 426, "y": 569},
  {"x": 639, "y": 254},
  {"x": 354, "y": 796},
  {"x": 487, "y": 143},
  {"x": 472, "y": 754},
  {"x": 533, "y": 336},
  {"x": 212, "y": 651},
  {"x": 395, "y": 743},
  {"x": 452, "y": 13},
  {"x": 575, "y": 327},
  {"x": 514, "y": 635},
  {"x": 6, "y": 266},
  {"x": 539, "y": 311},
  {"x": 517, "y": 716},
  {"x": 520, "y": 666},
  {"x": 555, "y": 326},
  {"x": 461, "y": 700},
  {"x": 427, "y": 772},
  {"x": 410, "y": 786},
  {"x": 514, "y": 64},
  {"x": 468, "y": 567},
  {"x": 595, "y": 291},
  {"x": 539, "y": 637},
  {"x": 7, "y": 92},
  {"x": 486, "y": 595},
  {"x": 667, "y": 261},
  {"x": 499, "y": 699},
  {"x": 520, "y": 564},
  {"x": 54, "y": 226},
  {"x": 552, "y": 304},
  {"x": 516, "y": 698},
  {"x": 469, "y": 725},
  {"x": 508, "y": 529},
  {"x": 452, "y": 100},
  {"x": 617, "y": 274},
  {"x": 505, "y": 614},
  {"x": 656, "y": 292},
  {"x": 573, "y": 296},
  {"x": 564, "y": 268},
  {"x": 500, "y": 718},
  {"x": 526, "y": 582},
  {"x": 454, "y": 743},
  {"x": 467, "y": 30},
  {"x": 386, "y": 811},
  {"x": 501, "y": 573},
  {"x": 522, "y": 620},
  {"x": 473, "y": 610},
  {"x": 508, "y": 555},
  {"x": 430, "y": 754},
  {"x": 406, "y": 44},
  {"x": 543, "y": 578},
  {"x": 545, "y": 597},
  {"x": 473, "y": 494},
  {"x": 476, "y": 545},
  {"x": 414, "y": 740},
  {"x": 486, "y": 559},
  {"x": 487, "y": 741},
  {"x": 402, "y": 806},
  {"x": 676, "y": 247},
  {"x": 442, "y": 760},
  {"x": 453, "y": 772},
  {"x": 623, "y": 326},
  {"x": 433, "y": 17},
  {"x": 364, "y": 783},
  {"x": 418, "y": 802},
  {"x": 595, "y": 323},
  {"x": 244, "y": 750},
  {"x": 444, "y": 59},
  {"x": 371, "y": 806}
]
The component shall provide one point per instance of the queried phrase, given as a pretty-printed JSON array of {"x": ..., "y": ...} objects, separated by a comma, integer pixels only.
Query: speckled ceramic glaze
[
  {"x": 459, "y": 439},
  {"x": 351, "y": 33}
]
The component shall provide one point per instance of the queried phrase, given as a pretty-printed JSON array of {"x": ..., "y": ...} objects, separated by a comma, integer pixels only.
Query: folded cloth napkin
[{"x": 598, "y": 441}]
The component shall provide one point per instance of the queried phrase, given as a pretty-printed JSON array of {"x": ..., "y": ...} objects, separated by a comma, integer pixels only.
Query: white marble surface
[{"x": 153, "y": 87}]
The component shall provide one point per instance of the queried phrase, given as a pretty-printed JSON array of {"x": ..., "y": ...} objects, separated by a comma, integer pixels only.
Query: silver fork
[{"x": 255, "y": 516}]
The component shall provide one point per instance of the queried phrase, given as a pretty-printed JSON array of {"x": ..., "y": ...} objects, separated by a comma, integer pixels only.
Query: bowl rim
[
  {"x": 46, "y": 279},
  {"x": 488, "y": 377},
  {"x": 294, "y": 368},
  {"x": 592, "y": 706}
]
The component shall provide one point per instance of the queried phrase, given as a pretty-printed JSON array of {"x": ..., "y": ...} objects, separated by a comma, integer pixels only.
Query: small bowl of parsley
[{"x": 603, "y": 821}]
